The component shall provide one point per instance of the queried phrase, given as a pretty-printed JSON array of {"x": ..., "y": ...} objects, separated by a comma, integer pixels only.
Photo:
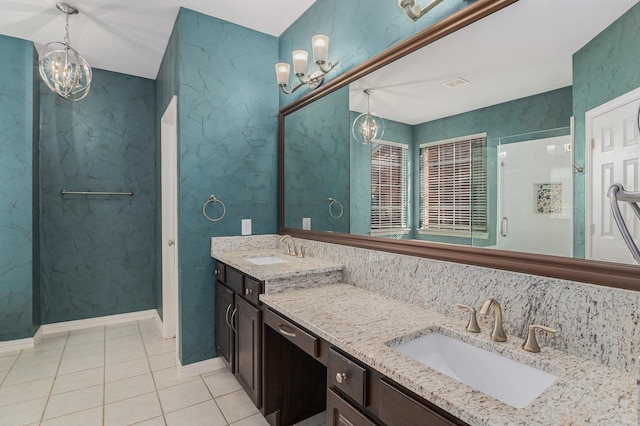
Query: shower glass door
[{"x": 535, "y": 204}]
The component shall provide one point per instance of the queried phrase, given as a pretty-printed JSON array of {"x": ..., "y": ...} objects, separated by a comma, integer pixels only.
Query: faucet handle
[
  {"x": 472, "y": 326},
  {"x": 531, "y": 343}
]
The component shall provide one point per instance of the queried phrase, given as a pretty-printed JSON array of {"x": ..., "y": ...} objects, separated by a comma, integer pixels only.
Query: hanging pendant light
[
  {"x": 367, "y": 127},
  {"x": 61, "y": 67}
]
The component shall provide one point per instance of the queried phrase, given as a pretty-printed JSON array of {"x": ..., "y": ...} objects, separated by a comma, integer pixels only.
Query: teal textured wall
[
  {"x": 605, "y": 68},
  {"x": 227, "y": 121},
  {"x": 17, "y": 133},
  {"x": 316, "y": 163},
  {"x": 98, "y": 252}
]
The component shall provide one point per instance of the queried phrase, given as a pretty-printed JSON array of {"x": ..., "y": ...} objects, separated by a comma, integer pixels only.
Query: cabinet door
[
  {"x": 341, "y": 413},
  {"x": 248, "y": 324},
  {"x": 224, "y": 334}
]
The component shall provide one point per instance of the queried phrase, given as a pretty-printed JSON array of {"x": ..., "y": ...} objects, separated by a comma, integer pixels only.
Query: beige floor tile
[
  {"x": 156, "y": 421},
  {"x": 160, "y": 346},
  {"x": 236, "y": 406},
  {"x": 203, "y": 414},
  {"x": 128, "y": 388},
  {"x": 28, "y": 359},
  {"x": 78, "y": 380},
  {"x": 85, "y": 338},
  {"x": 51, "y": 342},
  {"x": 125, "y": 354},
  {"x": 169, "y": 377},
  {"x": 25, "y": 391},
  {"x": 6, "y": 362},
  {"x": 133, "y": 410},
  {"x": 73, "y": 402},
  {"x": 10, "y": 353},
  {"x": 183, "y": 396},
  {"x": 92, "y": 417},
  {"x": 31, "y": 373},
  {"x": 83, "y": 350},
  {"x": 222, "y": 383},
  {"x": 255, "y": 420},
  {"x": 123, "y": 342},
  {"x": 23, "y": 413},
  {"x": 114, "y": 332},
  {"x": 127, "y": 369},
  {"x": 79, "y": 363},
  {"x": 162, "y": 361},
  {"x": 3, "y": 374}
]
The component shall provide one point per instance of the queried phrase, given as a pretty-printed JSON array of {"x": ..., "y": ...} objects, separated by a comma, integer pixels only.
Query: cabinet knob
[
  {"x": 248, "y": 291},
  {"x": 217, "y": 272},
  {"x": 341, "y": 377}
]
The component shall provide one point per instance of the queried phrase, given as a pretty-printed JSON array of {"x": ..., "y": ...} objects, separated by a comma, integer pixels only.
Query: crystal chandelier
[
  {"x": 61, "y": 66},
  {"x": 367, "y": 127}
]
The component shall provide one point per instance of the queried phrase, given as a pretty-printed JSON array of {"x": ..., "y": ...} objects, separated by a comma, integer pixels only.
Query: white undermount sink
[
  {"x": 509, "y": 381},
  {"x": 266, "y": 260}
]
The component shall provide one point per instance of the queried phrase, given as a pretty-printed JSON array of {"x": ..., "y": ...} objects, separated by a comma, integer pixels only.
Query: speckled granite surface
[
  {"x": 585, "y": 392},
  {"x": 293, "y": 273}
]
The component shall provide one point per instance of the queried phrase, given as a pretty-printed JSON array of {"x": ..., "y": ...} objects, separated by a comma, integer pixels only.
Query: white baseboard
[
  {"x": 201, "y": 367},
  {"x": 37, "y": 336},
  {"x": 16, "y": 345},
  {"x": 60, "y": 327}
]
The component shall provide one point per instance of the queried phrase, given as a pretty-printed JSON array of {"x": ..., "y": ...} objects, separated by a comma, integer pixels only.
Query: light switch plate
[
  {"x": 306, "y": 223},
  {"x": 246, "y": 226}
]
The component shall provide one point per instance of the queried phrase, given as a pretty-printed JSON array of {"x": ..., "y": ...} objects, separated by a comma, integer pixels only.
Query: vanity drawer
[
  {"x": 252, "y": 290},
  {"x": 220, "y": 272},
  {"x": 290, "y": 331},
  {"x": 347, "y": 376},
  {"x": 399, "y": 409},
  {"x": 235, "y": 280}
]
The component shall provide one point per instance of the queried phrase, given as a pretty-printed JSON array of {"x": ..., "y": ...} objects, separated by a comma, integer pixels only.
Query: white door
[
  {"x": 169, "y": 172},
  {"x": 536, "y": 203},
  {"x": 615, "y": 151}
]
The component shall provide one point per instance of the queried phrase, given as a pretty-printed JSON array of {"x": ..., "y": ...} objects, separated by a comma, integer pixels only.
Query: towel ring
[
  {"x": 213, "y": 199},
  {"x": 333, "y": 201}
]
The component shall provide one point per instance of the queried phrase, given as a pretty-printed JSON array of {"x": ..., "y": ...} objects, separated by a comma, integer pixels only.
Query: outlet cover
[
  {"x": 306, "y": 223},
  {"x": 246, "y": 226}
]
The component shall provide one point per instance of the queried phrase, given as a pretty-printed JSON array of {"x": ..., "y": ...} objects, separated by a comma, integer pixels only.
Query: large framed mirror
[{"x": 483, "y": 157}]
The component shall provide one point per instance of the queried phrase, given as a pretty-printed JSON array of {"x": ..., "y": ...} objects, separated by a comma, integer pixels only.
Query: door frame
[
  {"x": 169, "y": 228},
  {"x": 590, "y": 115}
]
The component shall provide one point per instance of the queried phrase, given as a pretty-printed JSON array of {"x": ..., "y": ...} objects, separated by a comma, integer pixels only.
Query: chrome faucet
[
  {"x": 497, "y": 334},
  {"x": 291, "y": 248}
]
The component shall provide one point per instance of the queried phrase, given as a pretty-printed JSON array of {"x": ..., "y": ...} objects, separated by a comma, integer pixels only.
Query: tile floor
[{"x": 115, "y": 375}]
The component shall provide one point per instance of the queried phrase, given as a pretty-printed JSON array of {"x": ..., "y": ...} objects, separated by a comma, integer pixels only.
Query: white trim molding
[
  {"x": 61, "y": 327},
  {"x": 206, "y": 366},
  {"x": 16, "y": 345}
]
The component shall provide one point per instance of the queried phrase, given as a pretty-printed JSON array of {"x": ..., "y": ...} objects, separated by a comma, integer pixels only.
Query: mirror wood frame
[{"x": 582, "y": 270}]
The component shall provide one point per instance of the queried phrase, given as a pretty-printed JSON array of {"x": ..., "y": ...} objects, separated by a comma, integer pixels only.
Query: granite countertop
[
  {"x": 292, "y": 267},
  {"x": 361, "y": 323}
]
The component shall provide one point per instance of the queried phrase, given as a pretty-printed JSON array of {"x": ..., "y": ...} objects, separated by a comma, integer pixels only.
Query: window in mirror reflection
[
  {"x": 389, "y": 188},
  {"x": 453, "y": 186}
]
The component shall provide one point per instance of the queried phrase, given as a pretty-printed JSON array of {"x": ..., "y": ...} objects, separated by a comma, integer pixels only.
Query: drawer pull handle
[
  {"x": 233, "y": 314},
  {"x": 248, "y": 291},
  {"x": 226, "y": 315},
  {"x": 341, "y": 377},
  {"x": 285, "y": 332}
]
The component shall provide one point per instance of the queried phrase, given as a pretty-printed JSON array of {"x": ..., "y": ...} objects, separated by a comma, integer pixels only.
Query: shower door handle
[{"x": 504, "y": 226}]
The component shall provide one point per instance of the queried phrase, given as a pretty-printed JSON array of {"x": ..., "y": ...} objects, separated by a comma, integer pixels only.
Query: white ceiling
[
  {"x": 522, "y": 50},
  {"x": 130, "y": 36}
]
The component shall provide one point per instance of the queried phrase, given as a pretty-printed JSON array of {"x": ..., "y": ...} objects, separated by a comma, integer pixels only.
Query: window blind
[
  {"x": 453, "y": 185},
  {"x": 388, "y": 186}
]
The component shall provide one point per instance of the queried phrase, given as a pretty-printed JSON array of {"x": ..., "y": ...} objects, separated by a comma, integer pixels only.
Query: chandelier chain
[{"x": 67, "y": 39}]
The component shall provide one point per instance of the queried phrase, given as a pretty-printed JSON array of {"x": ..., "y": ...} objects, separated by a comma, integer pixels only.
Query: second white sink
[
  {"x": 509, "y": 381},
  {"x": 266, "y": 260}
]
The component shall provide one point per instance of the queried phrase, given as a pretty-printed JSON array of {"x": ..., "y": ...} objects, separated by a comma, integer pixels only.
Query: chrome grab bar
[
  {"x": 65, "y": 192},
  {"x": 617, "y": 193}
]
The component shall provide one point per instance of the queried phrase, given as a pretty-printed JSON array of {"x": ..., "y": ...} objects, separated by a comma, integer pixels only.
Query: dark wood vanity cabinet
[
  {"x": 359, "y": 395},
  {"x": 239, "y": 327}
]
